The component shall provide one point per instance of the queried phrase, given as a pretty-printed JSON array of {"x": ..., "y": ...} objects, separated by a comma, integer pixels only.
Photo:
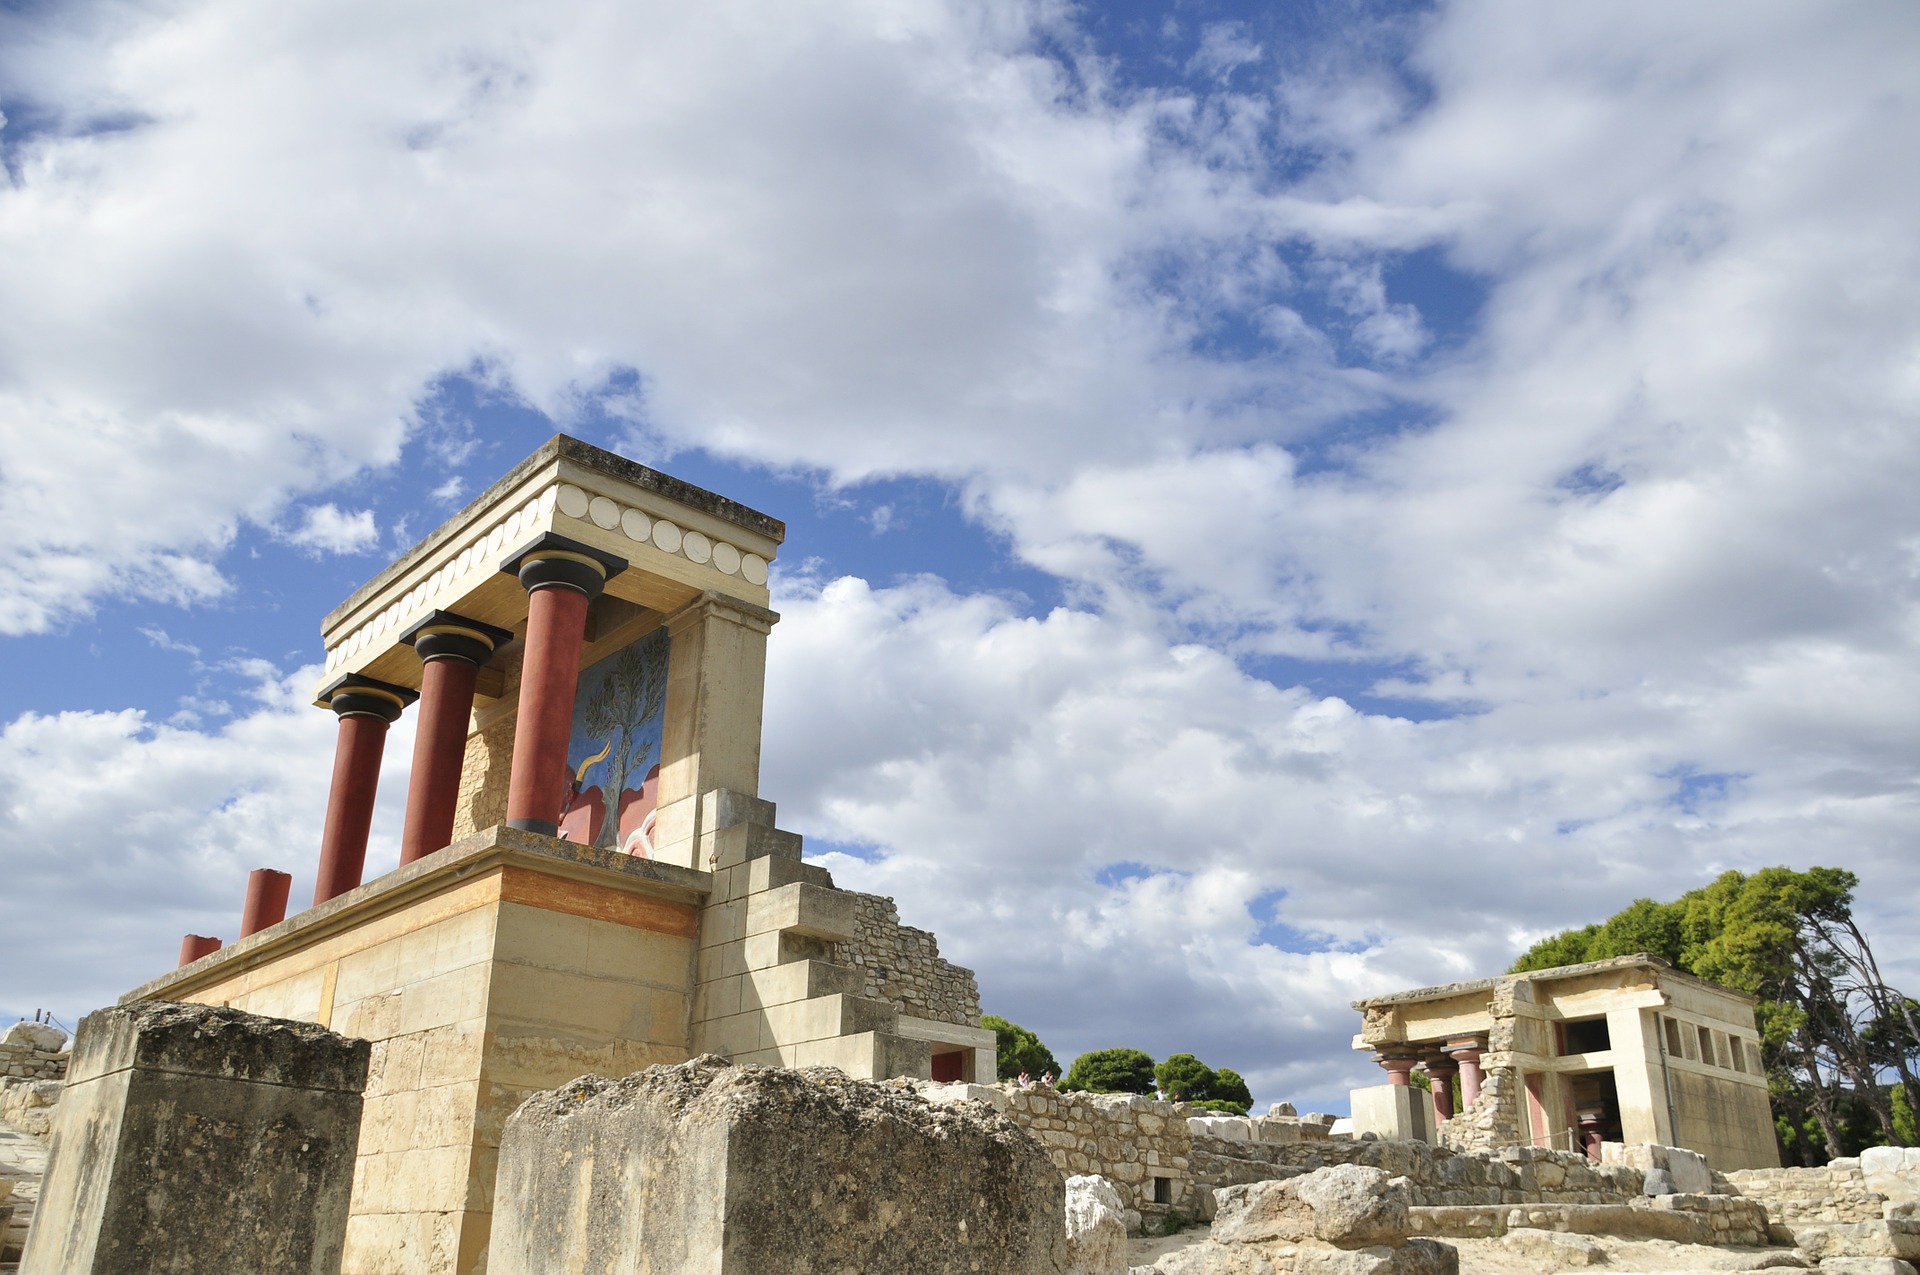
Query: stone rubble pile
[{"x": 1347, "y": 1220}]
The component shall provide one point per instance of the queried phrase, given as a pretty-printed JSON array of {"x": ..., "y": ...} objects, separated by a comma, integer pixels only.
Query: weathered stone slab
[
  {"x": 1350, "y": 1205},
  {"x": 195, "y": 1138},
  {"x": 711, "y": 1169},
  {"x": 1096, "y": 1227}
]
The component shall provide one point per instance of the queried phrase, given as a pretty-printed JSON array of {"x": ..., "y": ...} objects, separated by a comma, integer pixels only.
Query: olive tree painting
[{"x": 613, "y": 757}]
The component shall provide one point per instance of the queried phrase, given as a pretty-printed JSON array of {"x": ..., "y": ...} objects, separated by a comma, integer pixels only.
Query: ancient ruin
[
  {"x": 1625, "y": 1050},
  {"x": 606, "y": 1017}
]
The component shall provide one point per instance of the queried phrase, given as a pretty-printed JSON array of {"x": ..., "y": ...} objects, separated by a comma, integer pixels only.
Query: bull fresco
[{"x": 613, "y": 757}]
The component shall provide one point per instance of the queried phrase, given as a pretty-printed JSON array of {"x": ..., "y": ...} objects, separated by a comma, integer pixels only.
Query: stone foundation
[{"x": 711, "y": 1169}]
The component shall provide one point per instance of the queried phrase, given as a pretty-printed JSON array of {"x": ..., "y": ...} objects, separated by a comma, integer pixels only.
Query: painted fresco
[{"x": 613, "y": 758}]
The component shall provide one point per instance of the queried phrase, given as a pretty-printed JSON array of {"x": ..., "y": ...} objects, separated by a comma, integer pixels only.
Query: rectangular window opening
[
  {"x": 1706, "y": 1044},
  {"x": 1674, "y": 1049},
  {"x": 1163, "y": 1190},
  {"x": 1586, "y": 1036}
]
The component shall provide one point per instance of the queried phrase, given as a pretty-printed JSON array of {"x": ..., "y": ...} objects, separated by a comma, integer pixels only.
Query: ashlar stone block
[
  {"x": 707, "y": 1168},
  {"x": 195, "y": 1138}
]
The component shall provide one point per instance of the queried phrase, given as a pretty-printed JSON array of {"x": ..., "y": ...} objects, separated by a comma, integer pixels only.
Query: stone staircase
[{"x": 768, "y": 989}]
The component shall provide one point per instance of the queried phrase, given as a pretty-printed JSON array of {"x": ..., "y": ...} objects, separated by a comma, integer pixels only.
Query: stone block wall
[
  {"x": 33, "y": 1051},
  {"x": 901, "y": 964},
  {"x": 1834, "y": 1192}
]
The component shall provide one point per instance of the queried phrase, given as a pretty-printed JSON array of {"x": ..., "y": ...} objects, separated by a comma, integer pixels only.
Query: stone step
[
  {"x": 824, "y": 1017},
  {"x": 798, "y": 981},
  {"x": 803, "y": 909}
]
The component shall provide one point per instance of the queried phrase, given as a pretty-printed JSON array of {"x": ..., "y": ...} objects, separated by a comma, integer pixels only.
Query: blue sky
[{"x": 1284, "y": 502}]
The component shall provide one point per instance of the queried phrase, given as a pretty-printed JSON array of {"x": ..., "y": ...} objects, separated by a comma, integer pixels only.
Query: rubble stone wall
[
  {"x": 902, "y": 965},
  {"x": 23, "y": 1060},
  {"x": 1514, "y": 1175},
  {"x": 1493, "y": 1119},
  {"x": 1834, "y": 1192}
]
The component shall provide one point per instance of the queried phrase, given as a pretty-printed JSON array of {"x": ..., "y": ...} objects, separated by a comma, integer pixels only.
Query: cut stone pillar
[
  {"x": 266, "y": 900},
  {"x": 452, "y": 649},
  {"x": 561, "y": 577},
  {"x": 710, "y": 1169},
  {"x": 1394, "y": 1112},
  {"x": 366, "y": 708},
  {"x": 194, "y": 1138},
  {"x": 711, "y": 742}
]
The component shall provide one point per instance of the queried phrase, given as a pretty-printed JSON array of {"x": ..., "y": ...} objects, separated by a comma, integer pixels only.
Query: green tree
[
  {"x": 1229, "y": 1087},
  {"x": 1018, "y": 1050},
  {"x": 1830, "y": 1025},
  {"x": 1111, "y": 1071},
  {"x": 1904, "y": 1127},
  {"x": 1185, "y": 1078}
]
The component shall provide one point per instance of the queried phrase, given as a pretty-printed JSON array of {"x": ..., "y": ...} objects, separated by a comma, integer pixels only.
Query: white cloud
[
  {"x": 121, "y": 834},
  {"x": 1646, "y": 507},
  {"x": 330, "y": 529}
]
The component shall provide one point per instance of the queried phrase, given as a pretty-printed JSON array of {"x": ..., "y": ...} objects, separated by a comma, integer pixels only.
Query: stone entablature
[
  {"x": 901, "y": 964},
  {"x": 687, "y": 542}
]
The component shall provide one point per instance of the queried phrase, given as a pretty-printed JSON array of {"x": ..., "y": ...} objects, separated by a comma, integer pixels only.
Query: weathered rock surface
[
  {"x": 1415, "y": 1257},
  {"x": 1350, "y": 1205},
  {"x": 43, "y": 1036},
  {"x": 1096, "y": 1227},
  {"x": 711, "y": 1169},
  {"x": 197, "y": 1138}
]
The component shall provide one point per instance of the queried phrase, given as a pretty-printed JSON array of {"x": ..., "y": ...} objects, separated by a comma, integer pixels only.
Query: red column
[
  {"x": 1399, "y": 1067},
  {"x": 452, "y": 650},
  {"x": 195, "y": 946},
  {"x": 561, "y": 577},
  {"x": 1590, "y": 1136},
  {"x": 439, "y": 753},
  {"x": 1440, "y": 1075},
  {"x": 1467, "y": 1053},
  {"x": 365, "y": 709},
  {"x": 266, "y": 900},
  {"x": 536, "y": 788}
]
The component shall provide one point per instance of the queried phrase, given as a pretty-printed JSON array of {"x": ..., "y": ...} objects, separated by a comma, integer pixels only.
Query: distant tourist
[
  {"x": 1046, "y": 1078},
  {"x": 1023, "y": 1082}
]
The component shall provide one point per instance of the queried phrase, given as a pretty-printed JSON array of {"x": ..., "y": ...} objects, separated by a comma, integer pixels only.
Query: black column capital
[
  {"x": 357, "y": 696},
  {"x": 557, "y": 561},
  {"x": 445, "y": 635}
]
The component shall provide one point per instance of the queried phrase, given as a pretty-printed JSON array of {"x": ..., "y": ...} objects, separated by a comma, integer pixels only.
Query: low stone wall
[
  {"x": 902, "y": 965},
  {"x": 33, "y": 1051},
  {"x": 1513, "y": 1175},
  {"x": 1722, "y": 1220},
  {"x": 1834, "y": 1192}
]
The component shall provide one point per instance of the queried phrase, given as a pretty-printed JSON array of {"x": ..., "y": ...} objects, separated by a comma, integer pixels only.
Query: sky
[{"x": 1285, "y": 502}]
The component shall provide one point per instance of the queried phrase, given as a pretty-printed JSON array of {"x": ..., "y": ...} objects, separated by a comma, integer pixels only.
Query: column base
[{"x": 545, "y": 827}]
